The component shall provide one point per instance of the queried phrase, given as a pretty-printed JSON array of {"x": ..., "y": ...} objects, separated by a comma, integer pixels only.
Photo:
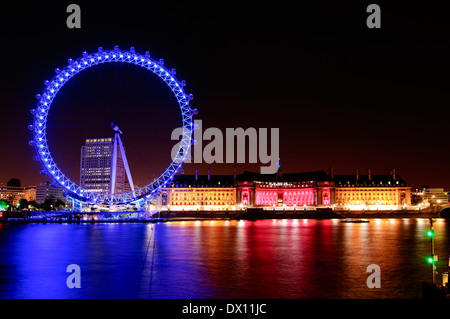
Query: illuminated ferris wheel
[{"x": 78, "y": 194}]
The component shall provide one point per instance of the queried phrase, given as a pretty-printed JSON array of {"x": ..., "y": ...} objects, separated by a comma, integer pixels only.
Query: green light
[
  {"x": 430, "y": 233},
  {"x": 3, "y": 205},
  {"x": 431, "y": 259}
]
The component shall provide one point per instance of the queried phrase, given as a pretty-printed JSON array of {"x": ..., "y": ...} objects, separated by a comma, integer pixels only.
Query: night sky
[{"x": 342, "y": 95}]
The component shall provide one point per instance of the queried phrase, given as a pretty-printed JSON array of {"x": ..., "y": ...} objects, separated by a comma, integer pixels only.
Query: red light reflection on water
[{"x": 315, "y": 258}]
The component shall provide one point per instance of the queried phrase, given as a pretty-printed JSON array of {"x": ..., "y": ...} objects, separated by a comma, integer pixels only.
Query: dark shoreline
[{"x": 251, "y": 216}]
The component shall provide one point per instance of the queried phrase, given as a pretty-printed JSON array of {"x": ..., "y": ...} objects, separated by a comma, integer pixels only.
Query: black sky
[{"x": 342, "y": 95}]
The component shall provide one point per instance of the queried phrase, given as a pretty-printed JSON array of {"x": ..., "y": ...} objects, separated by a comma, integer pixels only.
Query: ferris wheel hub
[{"x": 116, "y": 128}]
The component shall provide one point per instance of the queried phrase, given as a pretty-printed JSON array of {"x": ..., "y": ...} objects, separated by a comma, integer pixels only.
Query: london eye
[{"x": 78, "y": 194}]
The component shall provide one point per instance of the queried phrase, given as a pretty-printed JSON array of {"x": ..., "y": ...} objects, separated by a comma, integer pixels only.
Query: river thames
[{"x": 283, "y": 259}]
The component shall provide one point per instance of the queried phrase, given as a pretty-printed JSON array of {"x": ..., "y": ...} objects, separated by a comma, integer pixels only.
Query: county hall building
[{"x": 290, "y": 191}]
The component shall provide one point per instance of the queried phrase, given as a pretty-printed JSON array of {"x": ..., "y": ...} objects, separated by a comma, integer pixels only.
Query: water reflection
[{"x": 220, "y": 259}]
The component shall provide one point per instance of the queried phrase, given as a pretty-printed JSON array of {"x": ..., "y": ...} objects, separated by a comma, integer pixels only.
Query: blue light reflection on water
[{"x": 219, "y": 259}]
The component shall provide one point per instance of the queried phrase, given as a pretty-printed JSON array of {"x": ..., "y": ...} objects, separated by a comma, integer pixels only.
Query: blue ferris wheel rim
[{"x": 76, "y": 66}]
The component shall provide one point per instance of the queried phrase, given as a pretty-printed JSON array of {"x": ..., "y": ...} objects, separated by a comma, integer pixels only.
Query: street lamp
[{"x": 433, "y": 258}]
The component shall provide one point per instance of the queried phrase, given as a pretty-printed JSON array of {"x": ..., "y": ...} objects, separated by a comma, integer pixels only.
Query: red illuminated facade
[
  {"x": 286, "y": 190},
  {"x": 281, "y": 196}
]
